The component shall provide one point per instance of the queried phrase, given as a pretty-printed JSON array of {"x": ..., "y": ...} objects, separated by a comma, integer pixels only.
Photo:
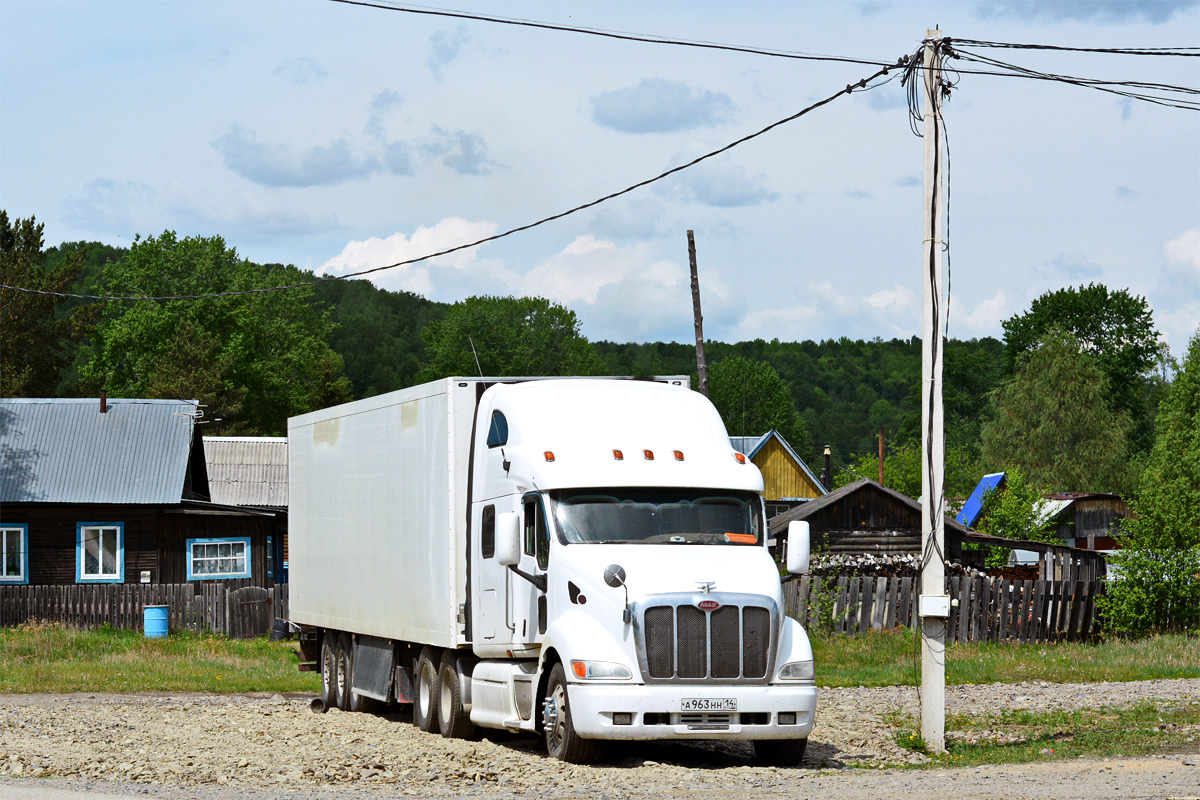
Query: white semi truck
[{"x": 583, "y": 558}]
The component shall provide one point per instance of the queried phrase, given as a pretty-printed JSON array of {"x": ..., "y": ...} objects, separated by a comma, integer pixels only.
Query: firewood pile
[{"x": 882, "y": 565}]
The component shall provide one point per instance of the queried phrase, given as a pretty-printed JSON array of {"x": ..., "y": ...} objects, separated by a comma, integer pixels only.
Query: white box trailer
[{"x": 582, "y": 558}]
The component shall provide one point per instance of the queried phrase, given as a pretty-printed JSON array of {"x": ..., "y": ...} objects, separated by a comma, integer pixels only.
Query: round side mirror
[{"x": 614, "y": 575}]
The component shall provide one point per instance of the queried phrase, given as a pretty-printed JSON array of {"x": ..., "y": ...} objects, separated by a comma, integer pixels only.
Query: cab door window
[{"x": 536, "y": 539}]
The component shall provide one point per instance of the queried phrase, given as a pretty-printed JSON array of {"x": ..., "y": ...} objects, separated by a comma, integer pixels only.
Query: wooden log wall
[
  {"x": 987, "y": 610},
  {"x": 229, "y": 608}
]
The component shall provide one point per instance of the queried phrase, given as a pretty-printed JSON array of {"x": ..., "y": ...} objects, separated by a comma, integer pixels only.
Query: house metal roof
[
  {"x": 971, "y": 509},
  {"x": 66, "y": 451},
  {"x": 750, "y": 445},
  {"x": 247, "y": 470}
]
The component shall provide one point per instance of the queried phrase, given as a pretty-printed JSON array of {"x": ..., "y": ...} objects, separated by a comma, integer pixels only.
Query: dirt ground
[{"x": 257, "y": 747}]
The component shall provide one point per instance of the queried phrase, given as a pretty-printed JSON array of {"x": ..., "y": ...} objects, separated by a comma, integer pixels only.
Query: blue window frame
[
  {"x": 14, "y": 552},
  {"x": 100, "y": 552},
  {"x": 270, "y": 554},
  {"x": 218, "y": 559}
]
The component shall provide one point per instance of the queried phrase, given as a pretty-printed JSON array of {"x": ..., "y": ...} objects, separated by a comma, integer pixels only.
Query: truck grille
[{"x": 682, "y": 642}]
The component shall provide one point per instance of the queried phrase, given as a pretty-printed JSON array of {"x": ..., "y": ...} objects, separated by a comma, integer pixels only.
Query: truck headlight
[
  {"x": 797, "y": 671},
  {"x": 600, "y": 670}
]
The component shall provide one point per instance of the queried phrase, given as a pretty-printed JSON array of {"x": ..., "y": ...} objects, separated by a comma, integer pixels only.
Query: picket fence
[
  {"x": 232, "y": 608},
  {"x": 988, "y": 609}
]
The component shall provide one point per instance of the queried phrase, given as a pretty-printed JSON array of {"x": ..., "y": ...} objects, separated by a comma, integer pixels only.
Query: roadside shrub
[{"x": 1153, "y": 590}]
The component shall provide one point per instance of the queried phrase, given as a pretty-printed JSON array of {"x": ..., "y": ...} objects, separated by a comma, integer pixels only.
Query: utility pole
[
  {"x": 934, "y": 604},
  {"x": 701, "y": 367},
  {"x": 881, "y": 456}
]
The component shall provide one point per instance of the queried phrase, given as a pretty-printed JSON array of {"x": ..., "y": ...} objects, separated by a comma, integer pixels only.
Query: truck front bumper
[{"x": 614, "y": 711}]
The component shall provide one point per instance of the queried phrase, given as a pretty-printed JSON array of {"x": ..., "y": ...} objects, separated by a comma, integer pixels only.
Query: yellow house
[{"x": 787, "y": 480}]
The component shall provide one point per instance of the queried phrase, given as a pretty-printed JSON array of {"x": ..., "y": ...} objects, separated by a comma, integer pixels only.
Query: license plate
[{"x": 708, "y": 704}]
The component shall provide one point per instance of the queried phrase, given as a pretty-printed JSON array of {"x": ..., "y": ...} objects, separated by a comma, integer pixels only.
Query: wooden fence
[
  {"x": 231, "y": 608},
  {"x": 988, "y": 610}
]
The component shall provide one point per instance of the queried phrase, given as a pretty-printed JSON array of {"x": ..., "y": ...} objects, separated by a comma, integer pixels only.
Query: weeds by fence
[
  {"x": 231, "y": 608},
  {"x": 987, "y": 610}
]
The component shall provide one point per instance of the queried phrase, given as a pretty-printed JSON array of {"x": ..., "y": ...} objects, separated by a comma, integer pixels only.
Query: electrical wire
[
  {"x": 1016, "y": 70},
  {"x": 607, "y": 34},
  {"x": 1185, "y": 52},
  {"x": 862, "y": 85}
]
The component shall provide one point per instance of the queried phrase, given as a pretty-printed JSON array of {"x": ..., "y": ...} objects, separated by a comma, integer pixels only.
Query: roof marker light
[
  {"x": 679, "y": 455},
  {"x": 618, "y": 455},
  {"x": 738, "y": 457},
  {"x": 549, "y": 454},
  {"x": 649, "y": 454}
]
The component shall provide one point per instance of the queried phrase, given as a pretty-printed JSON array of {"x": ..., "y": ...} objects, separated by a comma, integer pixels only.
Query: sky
[{"x": 339, "y": 137}]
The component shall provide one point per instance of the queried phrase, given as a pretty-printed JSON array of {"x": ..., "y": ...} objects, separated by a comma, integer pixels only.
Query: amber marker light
[
  {"x": 579, "y": 668},
  {"x": 738, "y": 457},
  {"x": 679, "y": 455},
  {"x": 618, "y": 455},
  {"x": 649, "y": 454},
  {"x": 549, "y": 454}
]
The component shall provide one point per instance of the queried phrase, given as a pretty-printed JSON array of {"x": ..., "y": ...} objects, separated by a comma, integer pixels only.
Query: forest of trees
[{"x": 255, "y": 358}]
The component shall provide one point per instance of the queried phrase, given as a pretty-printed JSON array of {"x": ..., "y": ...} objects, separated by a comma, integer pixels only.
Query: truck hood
[{"x": 652, "y": 569}]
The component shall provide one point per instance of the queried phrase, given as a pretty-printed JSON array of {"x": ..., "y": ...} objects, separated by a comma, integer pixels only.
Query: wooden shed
[{"x": 98, "y": 491}]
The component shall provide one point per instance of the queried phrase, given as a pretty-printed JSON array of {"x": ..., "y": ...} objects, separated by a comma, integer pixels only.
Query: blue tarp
[{"x": 974, "y": 505}]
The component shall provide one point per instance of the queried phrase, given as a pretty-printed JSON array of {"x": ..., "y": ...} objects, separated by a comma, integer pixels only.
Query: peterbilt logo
[{"x": 708, "y": 605}]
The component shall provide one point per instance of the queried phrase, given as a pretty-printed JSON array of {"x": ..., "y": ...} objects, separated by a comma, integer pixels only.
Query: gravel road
[{"x": 258, "y": 747}]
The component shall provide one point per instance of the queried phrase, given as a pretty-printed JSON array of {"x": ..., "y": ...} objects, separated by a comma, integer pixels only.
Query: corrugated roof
[
  {"x": 247, "y": 471},
  {"x": 970, "y": 510},
  {"x": 778, "y": 524},
  {"x": 66, "y": 451}
]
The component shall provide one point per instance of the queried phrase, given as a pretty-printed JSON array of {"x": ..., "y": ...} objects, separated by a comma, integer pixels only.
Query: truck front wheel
[
  {"x": 780, "y": 752},
  {"x": 425, "y": 705},
  {"x": 562, "y": 742}
]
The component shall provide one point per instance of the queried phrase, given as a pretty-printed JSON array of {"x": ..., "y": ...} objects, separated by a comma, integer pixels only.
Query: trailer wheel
[
  {"x": 562, "y": 742},
  {"x": 780, "y": 752},
  {"x": 455, "y": 721},
  {"x": 345, "y": 671},
  {"x": 329, "y": 669},
  {"x": 425, "y": 705}
]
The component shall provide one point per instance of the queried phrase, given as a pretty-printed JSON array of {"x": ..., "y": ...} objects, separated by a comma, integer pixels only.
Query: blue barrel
[{"x": 154, "y": 621}]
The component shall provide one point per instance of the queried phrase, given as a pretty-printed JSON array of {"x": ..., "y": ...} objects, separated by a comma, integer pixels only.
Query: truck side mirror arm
[{"x": 537, "y": 580}]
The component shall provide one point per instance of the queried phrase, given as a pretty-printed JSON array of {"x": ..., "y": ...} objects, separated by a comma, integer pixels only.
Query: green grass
[
  {"x": 891, "y": 658},
  {"x": 1022, "y": 736},
  {"x": 52, "y": 658}
]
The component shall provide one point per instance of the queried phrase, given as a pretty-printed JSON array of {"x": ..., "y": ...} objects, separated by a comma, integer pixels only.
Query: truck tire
[
  {"x": 453, "y": 718},
  {"x": 345, "y": 670},
  {"x": 780, "y": 752},
  {"x": 425, "y": 704},
  {"x": 329, "y": 669},
  {"x": 562, "y": 742}
]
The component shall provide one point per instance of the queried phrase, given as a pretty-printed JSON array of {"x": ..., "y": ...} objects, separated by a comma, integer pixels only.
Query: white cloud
[
  {"x": 424, "y": 277},
  {"x": 894, "y": 300},
  {"x": 715, "y": 182},
  {"x": 982, "y": 320},
  {"x": 656, "y": 105},
  {"x": 803, "y": 320},
  {"x": 1184, "y": 250}
]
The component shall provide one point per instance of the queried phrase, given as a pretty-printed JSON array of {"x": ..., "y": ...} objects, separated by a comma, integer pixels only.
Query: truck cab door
[{"x": 528, "y": 606}]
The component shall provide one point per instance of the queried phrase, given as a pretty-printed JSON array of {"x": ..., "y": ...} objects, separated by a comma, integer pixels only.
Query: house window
[
  {"x": 270, "y": 557},
  {"x": 100, "y": 552},
  {"x": 14, "y": 553},
  {"x": 213, "y": 559}
]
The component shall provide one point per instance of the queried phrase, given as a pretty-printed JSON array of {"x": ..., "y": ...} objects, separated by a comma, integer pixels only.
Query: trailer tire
[
  {"x": 345, "y": 670},
  {"x": 780, "y": 752},
  {"x": 427, "y": 691},
  {"x": 454, "y": 719},
  {"x": 562, "y": 742},
  {"x": 329, "y": 669}
]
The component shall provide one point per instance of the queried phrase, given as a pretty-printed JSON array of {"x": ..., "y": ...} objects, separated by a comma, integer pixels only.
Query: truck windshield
[{"x": 658, "y": 516}]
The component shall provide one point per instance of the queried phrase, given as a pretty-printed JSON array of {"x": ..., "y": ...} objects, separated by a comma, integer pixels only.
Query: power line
[
  {"x": 1184, "y": 52},
  {"x": 1090, "y": 83},
  {"x": 850, "y": 88},
  {"x": 607, "y": 34}
]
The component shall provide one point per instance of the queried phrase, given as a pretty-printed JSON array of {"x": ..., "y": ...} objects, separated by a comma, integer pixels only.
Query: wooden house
[
  {"x": 787, "y": 480},
  {"x": 96, "y": 491},
  {"x": 252, "y": 472}
]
